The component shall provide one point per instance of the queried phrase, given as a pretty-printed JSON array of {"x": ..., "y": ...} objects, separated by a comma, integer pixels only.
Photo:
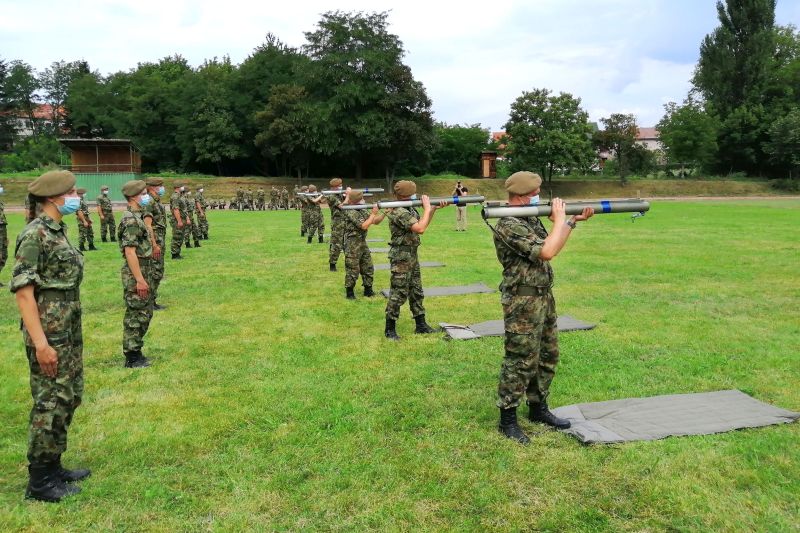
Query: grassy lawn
[{"x": 275, "y": 404}]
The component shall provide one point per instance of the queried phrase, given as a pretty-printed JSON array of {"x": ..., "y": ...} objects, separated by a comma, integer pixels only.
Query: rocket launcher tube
[
  {"x": 344, "y": 191},
  {"x": 572, "y": 208},
  {"x": 450, "y": 200}
]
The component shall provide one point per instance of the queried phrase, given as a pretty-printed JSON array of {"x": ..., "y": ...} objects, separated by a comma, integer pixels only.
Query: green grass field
[{"x": 275, "y": 404}]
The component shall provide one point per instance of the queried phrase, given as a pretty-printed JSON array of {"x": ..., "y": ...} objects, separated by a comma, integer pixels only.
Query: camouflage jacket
[
  {"x": 3, "y": 220},
  {"x": 400, "y": 221},
  {"x": 105, "y": 203},
  {"x": 45, "y": 258},
  {"x": 353, "y": 219},
  {"x": 188, "y": 204},
  {"x": 518, "y": 243},
  {"x": 132, "y": 233},
  {"x": 334, "y": 200},
  {"x": 200, "y": 199},
  {"x": 156, "y": 210},
  {"x": 84, "y": 208}
]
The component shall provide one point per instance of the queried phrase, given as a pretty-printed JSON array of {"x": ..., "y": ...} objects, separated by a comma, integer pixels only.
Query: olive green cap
[
  {"x": 355, "y": 196},
  {"x": 523, "y": 182},
  {"x": 52, "y": 183},
  {"x": 133, "y": 187},
  {"x": 81, "y": 191},
  {"x": 405, "y": 188},
  {"x": 154, "y": 182},
  {"x": 311, "y": 188},
  {"x": 335, "y": 182}
]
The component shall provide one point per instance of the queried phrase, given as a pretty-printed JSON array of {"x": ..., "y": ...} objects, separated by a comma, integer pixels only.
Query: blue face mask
[
  {"x": 2, "y": 190},
  {"x": 413, "y": 196},
  {"x": 71, "y": 205},
  {"x": 144, "y": 200},
  {"x": 534, "y": 200},
  {"x": 161, "y": 191}
]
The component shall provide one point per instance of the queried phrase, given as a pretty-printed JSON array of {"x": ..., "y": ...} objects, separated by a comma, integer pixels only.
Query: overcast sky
[{"x": 474, "y": 57}]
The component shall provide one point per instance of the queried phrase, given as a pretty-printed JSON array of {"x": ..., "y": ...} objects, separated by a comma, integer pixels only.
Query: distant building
[
  {"x": 97, "y": 162},
  {"x": 42, "y": 119},
  {"x": 648, "y": 137}
]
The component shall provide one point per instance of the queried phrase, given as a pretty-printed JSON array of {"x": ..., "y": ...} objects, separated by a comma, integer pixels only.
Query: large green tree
[
  {"x": 458, "y": 148},
  {"x": 618, "y": 137},
  {"x": 783, "y": 145},
  {"x": 688, "y": 134},
  {"x": 368, "y": 106},
  {"x": 91, "y": 107},
  {"x": 7, "y": 130},
  {"x": 284, "y": 129},
  {"x": 548, "y": 132},
  {"x": 22, "y": 91},
  {"x": 55, "y": 82}
]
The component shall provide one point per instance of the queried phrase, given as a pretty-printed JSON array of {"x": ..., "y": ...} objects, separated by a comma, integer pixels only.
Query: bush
[
  {"x": 787, "y": 184},
  {"x": 30, "y": 154}
]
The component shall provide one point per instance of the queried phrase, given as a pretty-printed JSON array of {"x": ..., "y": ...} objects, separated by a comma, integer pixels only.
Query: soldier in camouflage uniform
[
  {"x": 284, "y": 198},
  {"x": 261, "y": 198},
  {"x": 273, "y": 199},
  {"x": 3, "y": 233},
  {"x": 295, "y": 198},
  {"x": 202, "y": 220},
  {"x": 137, "y": 273},
  {"x": 106, "y": 211},
  {"x": 525, "y": 249},
  {"x": 357, "y": 257},
  {"x": 337, "y": 224},
  {"x": 303, "y": 211},
  {"x": 46, "y": 281},
  {"x": 177, "y": 220},
  {"x": 316, "y": 222},
  {"x": 156, "y": 224},
  {"x": 85, "y": 231},
  {"x": 192, "y": 228},
  {"x": 406, "y": 226}
]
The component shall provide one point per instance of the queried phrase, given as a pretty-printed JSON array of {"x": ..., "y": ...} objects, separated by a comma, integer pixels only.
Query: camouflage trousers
[
  {"x": 3, "y": 245},
  {"x": 85, "y": 235},
  {"x": 55, "y": 399},
  {"x": 337, "y": 239},
  {"x": 316, "y": 222},
  {"x": 202, "y": 222},
  {"x": 406, "y": 282},
  {"x": 192, "y": 230},
  {"x": 303, "y": 220},
  {"x": 177, "y": 237},
  {"x": 158, "y": 264},
  {"x": 107, "y": 223},
  {"x": 357, "y": 260},
  {"x": 138, "y": 310},
  {"x": 531, "y": 349}
]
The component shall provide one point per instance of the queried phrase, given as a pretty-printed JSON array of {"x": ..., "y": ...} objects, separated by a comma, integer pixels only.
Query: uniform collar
[{"x": 51, "y": 223}]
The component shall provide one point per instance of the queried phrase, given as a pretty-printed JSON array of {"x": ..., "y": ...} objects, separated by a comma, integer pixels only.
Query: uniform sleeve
[
  {"x": 402, "y": 218},
  {"x": 129, "y": 232},
  {"x": 147, "y": 211},
  {"x": 520, "y": 239},
  {"x": 26, "y": 265},
  {"x": 333, "y": 200}
]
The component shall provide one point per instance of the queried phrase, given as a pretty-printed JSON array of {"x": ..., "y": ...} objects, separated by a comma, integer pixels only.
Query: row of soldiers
[{"x": 247, "y": 200}]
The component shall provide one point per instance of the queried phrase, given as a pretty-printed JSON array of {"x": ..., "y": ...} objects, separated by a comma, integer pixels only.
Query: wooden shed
[{"x": 97, "y": 162}]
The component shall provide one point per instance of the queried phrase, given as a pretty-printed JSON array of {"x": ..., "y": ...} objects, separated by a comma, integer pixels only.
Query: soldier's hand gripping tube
[
  {"x": 449, "y": 200},
  {"x": 572, "y": 208},
  {"x": 344, "y": 191}
]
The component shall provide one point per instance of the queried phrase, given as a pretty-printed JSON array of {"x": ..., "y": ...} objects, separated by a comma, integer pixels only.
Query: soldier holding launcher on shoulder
[{"x": 525, "y": 249}]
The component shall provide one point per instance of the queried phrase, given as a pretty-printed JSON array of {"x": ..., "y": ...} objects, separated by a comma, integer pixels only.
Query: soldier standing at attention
[
  {"x": 137, "y": 273},
  {"x": 406, "y": 226},
  {"x": 525, "y": 249},
  {"x": 192, "y": 230},
  {"x": 273, "y": 198},
  {"x": 177, "y": 217},
  {"x": 85, "y": 231},
  {"x": 284, "y": 198},
  {"x": 202, "y": 220},
  {"x": 156, "y": 224},
  {"x": 3, "y": 233},
  {"x": 337, "y": 224},
  {"x": 260, "y": 199},
  {"x": 316, "y": 222},
  {"x": 106, "y": 212},
  {"x": 303, "y": 211},
  {"x": 357, "y": 257},
  {"x": 46, "y": 282}
]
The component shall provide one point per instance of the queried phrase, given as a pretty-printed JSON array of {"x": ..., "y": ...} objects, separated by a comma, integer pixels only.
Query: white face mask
[{"x": 2, "y": 190}]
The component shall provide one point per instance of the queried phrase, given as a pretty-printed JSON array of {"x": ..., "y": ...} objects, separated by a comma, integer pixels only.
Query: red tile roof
[{"x": 644, "y": 134}]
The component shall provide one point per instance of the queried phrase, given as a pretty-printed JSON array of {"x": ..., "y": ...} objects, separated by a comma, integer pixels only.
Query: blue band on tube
[
  {"x": 606, "y": 206},
  {"x": 455, "y": 200}
]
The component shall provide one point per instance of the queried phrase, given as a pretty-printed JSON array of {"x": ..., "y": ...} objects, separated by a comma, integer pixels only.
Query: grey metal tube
[
  {"x": 450, "y": 200},
  {"x": 344, "y": 191},
  {"x": 572, "y": 208}
]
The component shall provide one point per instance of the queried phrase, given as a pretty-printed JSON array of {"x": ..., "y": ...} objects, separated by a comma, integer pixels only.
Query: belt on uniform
[
  {"x": 144, "y": 259},
  {"x": 530, "y": 290},
  {"x": 58, "y": 295}
]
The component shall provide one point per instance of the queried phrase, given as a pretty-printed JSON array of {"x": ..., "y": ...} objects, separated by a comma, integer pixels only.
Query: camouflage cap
[
  {"x": 405, "y": 188},
  {"x": 154, "y": 182},
  {"x": 52, "y": 183},
  {"x": 178, "y": 183},
  {"x": 103, "y": 187},
  {"x": 133, "y": 187},
  {"x": 355, "y": 196},
  {"x": 81, "y": 191},
  {"x": 312, "y": 188},
  {"x": 523, "y": 182},
  {"x": 336, "y": 182},
  {"x": 304, "y": 188}
]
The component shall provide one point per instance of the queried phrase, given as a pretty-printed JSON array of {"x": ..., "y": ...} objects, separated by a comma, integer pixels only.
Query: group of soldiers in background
[
  {"x": 187, "y": 218},
  {"x": 247, "y": 200}
]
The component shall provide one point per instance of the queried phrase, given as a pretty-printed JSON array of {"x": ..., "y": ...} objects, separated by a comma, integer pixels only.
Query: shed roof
[{"x": 91, "y": 143}]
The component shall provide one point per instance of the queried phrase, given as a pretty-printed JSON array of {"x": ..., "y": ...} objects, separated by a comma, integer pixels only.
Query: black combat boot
[
  {"x": 135, "y": 359},
  {"x": 538, "y": 412},
  {"x": 368, "y": 292},
  {"x": 302, "y": 233},
  {"x": 71, "y": 476},
  {"x": 320, "y": 239},
  {"x": 509, "y": 427},
  {"x": 103, "y": 239},
  {"x": 390, "y": 332},
  {"x": 177, "y": 256},
  {"x": 113, "y": 239},
  {"x": 197, "y": 244},
  {"x": 309, "y": 238},
  {"x": 350, "y": 293},
  {"x": 92, "y": 247},
  {"x": 158, "y": 307},
  {"x": 422, "y": 326},
  {"x": 44, "y": 484},
  {"x": 333, "y": 267},
  {"x": 81, "y": 247},
  {"x": 187, "y": 245}
]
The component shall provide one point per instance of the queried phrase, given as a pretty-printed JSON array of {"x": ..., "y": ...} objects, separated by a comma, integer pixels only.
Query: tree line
[{"x": 345, "y": 103}]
